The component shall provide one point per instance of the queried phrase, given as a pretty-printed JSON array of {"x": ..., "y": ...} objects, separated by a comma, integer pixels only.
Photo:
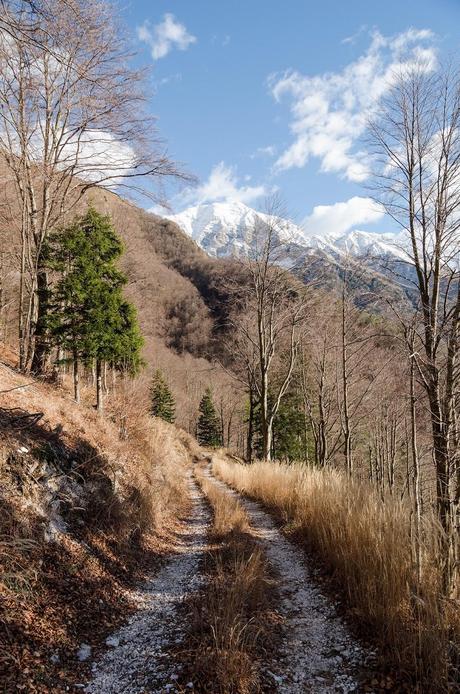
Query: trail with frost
[{"x": 139, "y": 660}]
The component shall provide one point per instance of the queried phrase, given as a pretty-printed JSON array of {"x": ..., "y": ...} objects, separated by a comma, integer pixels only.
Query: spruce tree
[
  {"x": 163, "y": 404},
  {"x": 289, "y": 441},
  {"x": 88, "y": 315},
  {"x": 289, "y": 430},
  {"x": 208, "y": 427}
]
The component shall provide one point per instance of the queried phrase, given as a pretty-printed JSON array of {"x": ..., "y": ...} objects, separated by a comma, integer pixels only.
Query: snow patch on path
[{"x": 140, "y": 660}]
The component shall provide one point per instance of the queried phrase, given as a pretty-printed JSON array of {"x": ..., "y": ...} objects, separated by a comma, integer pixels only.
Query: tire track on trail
[
  {"x": 317, "y": 654},
  {"x": 140, "y": 659}
]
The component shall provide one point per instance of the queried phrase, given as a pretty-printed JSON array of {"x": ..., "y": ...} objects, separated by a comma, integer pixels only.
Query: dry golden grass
[
  {"x": 367, "y": 545},
  {"x": 143, "y": 470},
  {"x": 233, "y": 619},
  {"x": 228, "y": 514}
]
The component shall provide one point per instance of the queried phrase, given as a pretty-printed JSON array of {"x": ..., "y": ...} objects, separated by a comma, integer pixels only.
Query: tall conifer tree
[
  {"x": 163, "y": 404},
  {"x": 88, "y": 316},
  {"x": 208, "y": 426}
]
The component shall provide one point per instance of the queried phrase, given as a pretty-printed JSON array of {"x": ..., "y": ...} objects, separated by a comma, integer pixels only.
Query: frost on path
[
  {"x": 139, "y": 660},
  {"x": 317, "y": 653}
]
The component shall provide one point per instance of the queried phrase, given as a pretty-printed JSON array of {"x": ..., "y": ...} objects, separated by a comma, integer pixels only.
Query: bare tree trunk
[
  {"x": 456, "y": 480},
  {"x": 266, "y": 433},
  {"x": 322, "y": 437},
  {"x": 104, "y": 379},
  {"x": 22, "y": 273},
  {"x": 99, "y": 388},
  {"x": 41, "y": 347},
  {"x": 269, "y": 440},
  {"x": 371, "y": 465},
  {"x": 29, "y": 322},
  {"x": 222, "y": 422},
  {"x": 306, "y": 455},
  {"x": 250, "y": 435},
  {"x": 229, "y": 429},
  {"x": 416, "y": 471},
  {"x": 76, "y": 378},
  {"x": 347, "y": 447}
]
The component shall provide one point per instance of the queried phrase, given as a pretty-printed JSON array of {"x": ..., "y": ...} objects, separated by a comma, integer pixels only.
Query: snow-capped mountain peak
[
  {"x": 225, "y": 229},
  {"x": 361, "y": 243}
]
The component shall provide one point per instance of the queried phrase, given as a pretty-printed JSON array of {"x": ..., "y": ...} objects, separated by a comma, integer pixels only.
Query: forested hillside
[{"x": 174, "y": 287}]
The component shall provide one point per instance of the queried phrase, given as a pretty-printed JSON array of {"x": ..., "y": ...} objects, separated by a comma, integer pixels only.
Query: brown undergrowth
[
  {"x": 366, "y": 546},
  {"x": 233, "y": 622},
  {"x": 84, "y": 513}
]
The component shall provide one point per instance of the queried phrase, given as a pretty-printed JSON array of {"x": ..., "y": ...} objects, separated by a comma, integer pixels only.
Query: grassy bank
[{"x": 366, "y": 545}]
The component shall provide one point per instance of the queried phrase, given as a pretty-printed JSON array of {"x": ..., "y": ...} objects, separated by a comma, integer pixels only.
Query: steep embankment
[{"x": 86, "y": 510}]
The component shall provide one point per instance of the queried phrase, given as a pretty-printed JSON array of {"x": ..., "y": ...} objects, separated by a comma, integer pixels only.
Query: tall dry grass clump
[
  {"x": 232, "y": 619},
  {"x": 367, "y": 543},
  {"x": 228, "y": 514}
]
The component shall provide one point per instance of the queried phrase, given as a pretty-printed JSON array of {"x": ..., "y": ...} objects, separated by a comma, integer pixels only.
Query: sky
[{"x": 259, "y": 97}]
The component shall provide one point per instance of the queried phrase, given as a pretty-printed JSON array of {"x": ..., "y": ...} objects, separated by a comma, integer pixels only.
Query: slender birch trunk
[{"x": 99, "y": 387}]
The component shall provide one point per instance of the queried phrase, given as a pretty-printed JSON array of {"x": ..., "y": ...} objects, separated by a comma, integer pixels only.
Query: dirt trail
[
  {"x": 138, "y": 660},
  {"x": 317, "y": 654}
]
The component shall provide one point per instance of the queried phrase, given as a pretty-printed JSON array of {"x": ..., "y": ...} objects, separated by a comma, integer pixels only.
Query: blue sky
[{"x": 259, "y": 96}]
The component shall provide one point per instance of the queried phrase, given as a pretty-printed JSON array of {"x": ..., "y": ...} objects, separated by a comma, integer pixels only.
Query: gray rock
[{"x": 84, "y": 652}]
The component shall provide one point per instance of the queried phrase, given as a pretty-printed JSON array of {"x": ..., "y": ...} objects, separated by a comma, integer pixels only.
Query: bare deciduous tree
[
  {"x": 318, "y": 381},
  {"x": 72, "y": 117},
  {"x": 275, "y": 308},
  {"x": 416, "y": 137}
]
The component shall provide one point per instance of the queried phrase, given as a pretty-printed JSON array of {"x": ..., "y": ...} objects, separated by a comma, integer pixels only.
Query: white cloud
[
  {"x": 98, "y": 157},
  {"x": 352, "y": 39},
  {"x": 339, "y": 218},
  {"x": 223, "y": 185},
  {"x": 163, "y": 37},
  {"x": 93, "y": 155},
  {"x": 330, "y": 110},
  {"x": 268, "y": 151}
]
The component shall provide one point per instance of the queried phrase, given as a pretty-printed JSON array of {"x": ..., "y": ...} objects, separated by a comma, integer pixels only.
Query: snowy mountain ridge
[{"x": 225, "y": 229}]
